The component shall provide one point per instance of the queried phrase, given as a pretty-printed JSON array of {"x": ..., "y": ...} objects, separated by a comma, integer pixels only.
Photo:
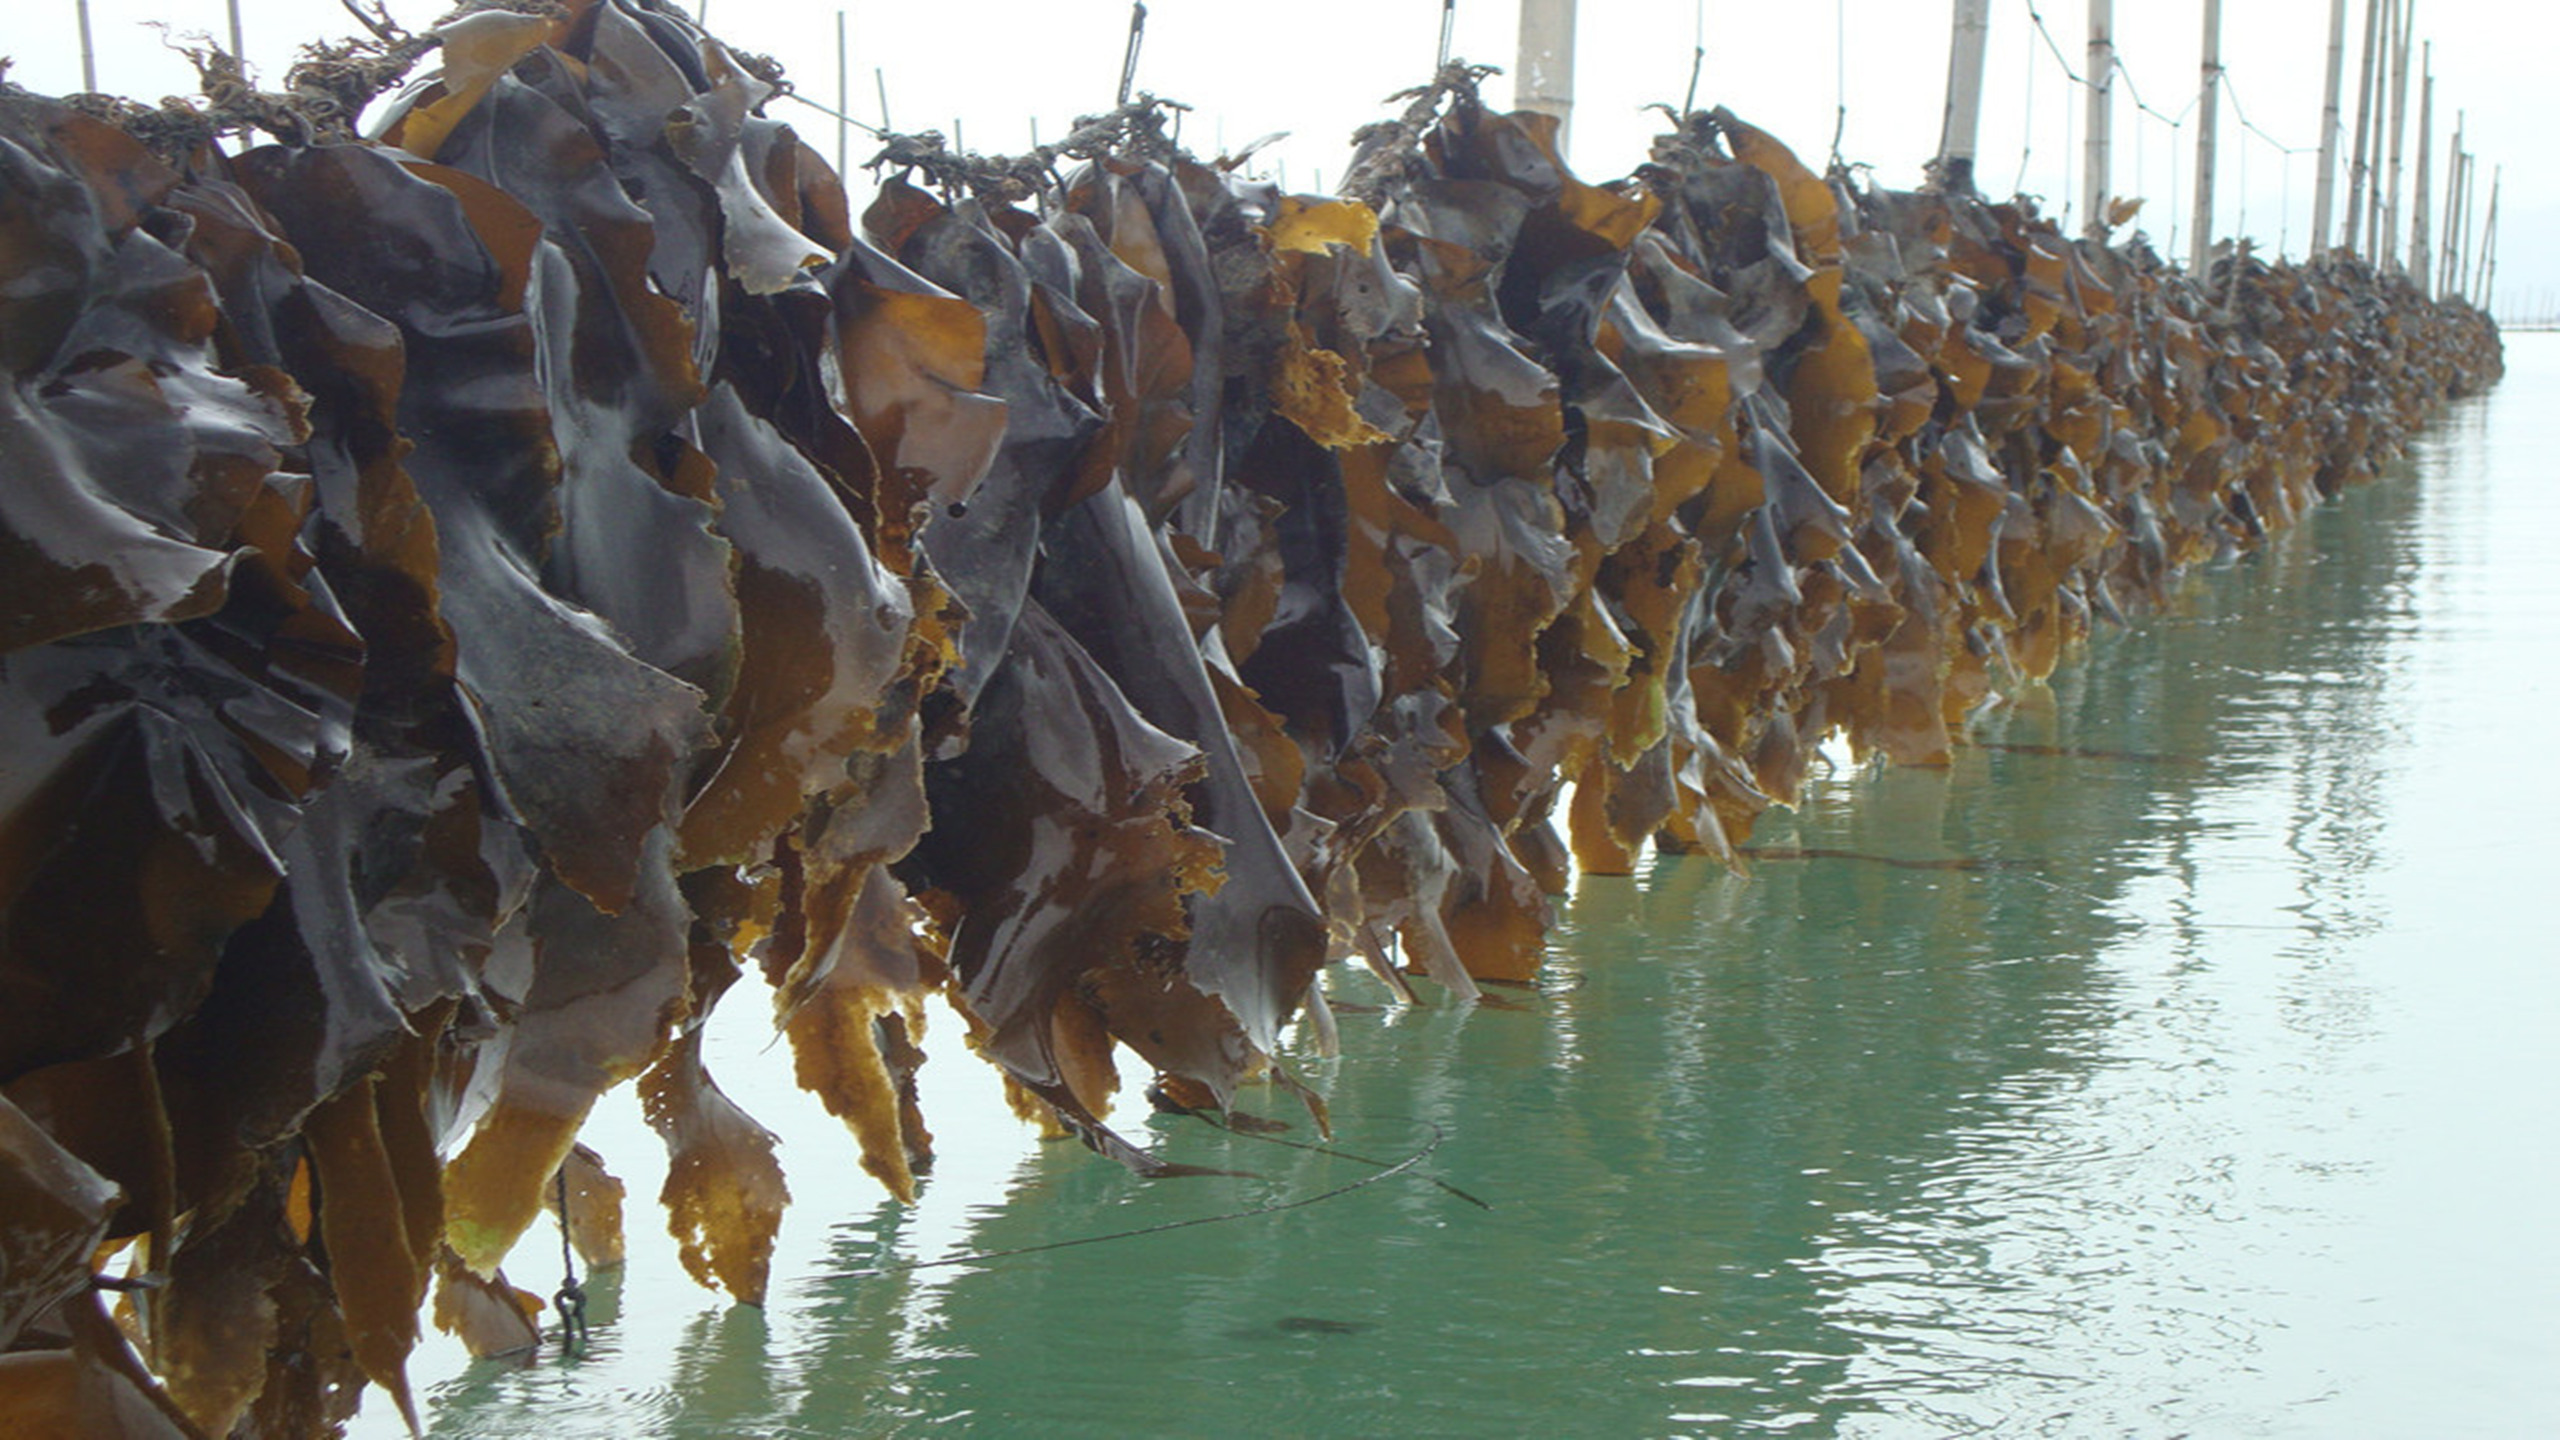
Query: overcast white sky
[{"x": 1318, "y": 68}]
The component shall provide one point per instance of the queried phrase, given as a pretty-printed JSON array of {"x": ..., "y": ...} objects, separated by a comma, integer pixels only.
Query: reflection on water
[{"x": 2206, "y": 1090}]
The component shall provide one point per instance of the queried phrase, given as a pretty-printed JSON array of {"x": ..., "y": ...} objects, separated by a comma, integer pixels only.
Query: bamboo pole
[
  {"x": 2200, "y": 247},
  {"x": 2489, "y": 243},
  {"x": 2324, "y": 192},
  {"x": 1544, "y": 80},
  {"x": 2406, "y": 14},
  {"x": 2419, "y": 238},
  {"x": 2456, "y": 198},
  {"x": 2459, "y": 277},
  {"x": 88, "y": 53},
  {"x": 1963, "y": 123},
  {"x": 2357, "y": 176},
  {"x": 2102, "y": 79},
  {"x": 2381, "y": 126}
]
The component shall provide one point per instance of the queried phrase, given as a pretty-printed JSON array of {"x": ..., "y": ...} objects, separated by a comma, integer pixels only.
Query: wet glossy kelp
[{"x": 475, "y": 597}]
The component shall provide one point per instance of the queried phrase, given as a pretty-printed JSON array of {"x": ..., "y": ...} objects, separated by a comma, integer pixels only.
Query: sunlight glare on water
[{"x": 2179, "y": 1061}]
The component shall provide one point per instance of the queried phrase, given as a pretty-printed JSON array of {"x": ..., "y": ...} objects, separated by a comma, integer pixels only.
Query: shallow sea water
[{"x": 2189, "y": 1068}]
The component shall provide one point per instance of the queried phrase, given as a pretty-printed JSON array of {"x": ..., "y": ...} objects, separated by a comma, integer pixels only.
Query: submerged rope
[
  {"x": 981, "y": 1257},
  {"x": 1210, "y": 1119}
]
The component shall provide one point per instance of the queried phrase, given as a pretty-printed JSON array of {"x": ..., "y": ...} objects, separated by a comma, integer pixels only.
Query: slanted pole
[
  {"x": 1544, "y": 80},
  {"x": 2324, "y": 193},
  {"x": 2489, "y": 243},
  {"x": 2102, "y": 78},
  {"x": 2200, "y": 248},
  {"x": 2359, "y": 176},
  {"x": 2457, "y": 201},
  {"x": 1956, "y": 137},
  {"x": 2419, "y": 238}
]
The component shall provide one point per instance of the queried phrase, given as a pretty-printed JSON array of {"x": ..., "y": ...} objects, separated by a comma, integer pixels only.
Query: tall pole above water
[
  {"x": 2405, "y": 12},
  {"x": 2489, "y": 243},
  {"x": 88, "y": 52},
  {"x": 2200, "y": 248},
  {"x": 2102, "y": 79},
  {"x": 1956, "y": 137},
  {"x": 2359, "y": 172},
  {"x": 2419, "y": 236},
  {"x": 2457, "y": 220},
  {"x": 1544, "y": 79},
  {"x": 2324, "y": 192}
]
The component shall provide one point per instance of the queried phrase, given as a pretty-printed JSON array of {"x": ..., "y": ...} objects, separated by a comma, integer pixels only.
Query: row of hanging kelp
[{"x": 473, "y": 598}]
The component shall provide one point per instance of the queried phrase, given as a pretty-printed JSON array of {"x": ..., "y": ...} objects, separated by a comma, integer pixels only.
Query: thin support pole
[
  {"x": 2324, "y": 191},
  {"x": 1544, "y": 81},
  {"x": 2456, "y": 182},
  {"x": 88, "y": 53},
  {"x": 238, "y": 52},
  {"x": 2421, "y": 231},
  {"x": 880, "y": 82},
  {"x": 2489, "y": 243},
  {"x": 2209, "y": 90},
  {"x": 1963, "y": 124},
  {"x": 844, "y": 99},
  {"x": 2102, "y": 78},
  {"x": 2458, "y": 222},
  {"x": 2408, "y": 18},
  {"x": 1137, "y": 38},
  {"x": 2358, "y": 172}
]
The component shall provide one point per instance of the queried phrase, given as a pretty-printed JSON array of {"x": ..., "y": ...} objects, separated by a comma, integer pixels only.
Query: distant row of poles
[{"x": 2376, "y": 224}]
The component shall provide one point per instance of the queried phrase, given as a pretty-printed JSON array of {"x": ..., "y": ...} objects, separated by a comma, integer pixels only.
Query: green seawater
[{"x": 2191, "y": 1067}]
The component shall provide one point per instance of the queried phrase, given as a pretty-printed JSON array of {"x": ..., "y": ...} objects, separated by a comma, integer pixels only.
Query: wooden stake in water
[{"x": 2324, "y": 191}]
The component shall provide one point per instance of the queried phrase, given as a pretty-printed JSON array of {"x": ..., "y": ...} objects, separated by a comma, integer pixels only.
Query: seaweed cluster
[{"x": 471, "y": 598}]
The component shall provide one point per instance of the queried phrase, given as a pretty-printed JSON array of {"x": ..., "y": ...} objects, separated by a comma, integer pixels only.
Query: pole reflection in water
[{"x": 2189, "y": 1073}]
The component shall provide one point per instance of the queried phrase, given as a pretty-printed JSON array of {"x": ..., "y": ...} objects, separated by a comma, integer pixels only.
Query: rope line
[
  {"x": 866, "y": 127},
  {"x": 1275, "y": 1207},
  {"x": 1210, "y": 1119},
  {"x": 2121, "y": 70}
]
